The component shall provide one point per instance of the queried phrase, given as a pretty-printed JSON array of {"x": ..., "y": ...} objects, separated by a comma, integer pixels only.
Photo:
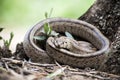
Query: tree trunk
[{"x": 105, "y": 15}]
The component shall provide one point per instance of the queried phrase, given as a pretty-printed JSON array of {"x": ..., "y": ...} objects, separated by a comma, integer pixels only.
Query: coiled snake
[{"x": 75, "y": 27}]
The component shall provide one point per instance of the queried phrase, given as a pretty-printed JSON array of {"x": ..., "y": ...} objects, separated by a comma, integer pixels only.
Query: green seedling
[
  {"x": 41, "y": 40},
  {"x": 8, "y": 42},
  {"x": 46, "y": 14},
  {"x": 47, "y": 29}
]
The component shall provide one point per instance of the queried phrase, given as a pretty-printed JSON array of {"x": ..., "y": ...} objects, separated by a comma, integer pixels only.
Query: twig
[
  {"x": 56, "y": 73},
  {"x": 31, "y": 63},
  {"x": 61, "y": 67},
  {"x": 89, "y": 75},
  {"x": 96, "y": 74},
  {"x": 6, "y": 66},
  {"x": 57, "y": 64},
  {"x": 104, "y": 73}
]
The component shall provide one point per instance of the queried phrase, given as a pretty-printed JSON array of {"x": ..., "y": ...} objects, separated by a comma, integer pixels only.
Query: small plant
[
  {"x": 47, "y": 29},
  {"x": 7, "y": 42},
  {"x": 41, "y": 40}
]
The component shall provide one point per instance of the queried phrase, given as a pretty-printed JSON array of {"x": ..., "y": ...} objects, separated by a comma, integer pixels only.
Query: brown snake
[
  {"x": 72, "y": 45},
  {"x": 75, "y": 27}
]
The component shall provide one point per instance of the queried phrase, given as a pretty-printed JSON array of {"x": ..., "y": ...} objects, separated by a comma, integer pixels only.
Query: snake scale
[{"x": 78, "y": 28}]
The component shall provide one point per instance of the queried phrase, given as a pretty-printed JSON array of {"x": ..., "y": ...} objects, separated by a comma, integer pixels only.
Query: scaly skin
[
  {"x": 75, "y": 27},
  {"x": 72, "y": 45}
]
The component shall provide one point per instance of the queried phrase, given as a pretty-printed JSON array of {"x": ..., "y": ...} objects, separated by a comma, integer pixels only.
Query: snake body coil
[{"x": 75, "y": 27}]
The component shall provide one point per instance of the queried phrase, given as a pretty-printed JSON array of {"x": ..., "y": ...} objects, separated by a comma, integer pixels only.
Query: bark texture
[{"x": 105, "y": 15}]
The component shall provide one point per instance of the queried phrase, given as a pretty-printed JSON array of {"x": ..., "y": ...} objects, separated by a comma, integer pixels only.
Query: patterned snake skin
[{"x": 78, "y": 28}]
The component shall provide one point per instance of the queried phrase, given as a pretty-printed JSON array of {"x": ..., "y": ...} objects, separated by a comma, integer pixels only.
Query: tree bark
[{"x": 105, "y": 15}]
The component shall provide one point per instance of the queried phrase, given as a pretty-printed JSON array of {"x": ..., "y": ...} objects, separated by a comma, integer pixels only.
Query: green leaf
[
  {"x": 10, "y": 40},
  {"x": 49, "y": 30},
  {"x": 46, "y": 15},
  {"x": 46, "y": 28},
  {"x": 40, "y": 38},
  {"x": 50, "y": 12},
  {"x": 1, "y": 29},
  {"x": 69, "y": 35},
  {"x": 11, "y": 35},
  {"x": 6, "y": 43}
]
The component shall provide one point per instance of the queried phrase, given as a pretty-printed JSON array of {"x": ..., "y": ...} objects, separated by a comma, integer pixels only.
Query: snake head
[{"x": 63, "y": 43}]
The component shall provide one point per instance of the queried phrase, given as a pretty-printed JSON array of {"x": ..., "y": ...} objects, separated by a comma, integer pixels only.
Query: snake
[
  {"x": 78, "y": 28},
  {"x": 72, "y": 45}
]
